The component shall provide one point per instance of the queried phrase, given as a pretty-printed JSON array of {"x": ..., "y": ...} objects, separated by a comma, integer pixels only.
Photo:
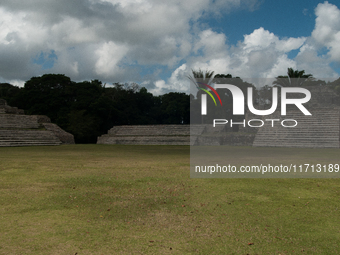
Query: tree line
[{"x": 89, "y": 109}]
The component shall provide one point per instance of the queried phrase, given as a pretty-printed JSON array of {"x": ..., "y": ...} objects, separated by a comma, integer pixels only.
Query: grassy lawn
[{"x": 103, "y": 199}]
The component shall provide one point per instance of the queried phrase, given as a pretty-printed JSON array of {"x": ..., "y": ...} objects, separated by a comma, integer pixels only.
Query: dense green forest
[{"x": 89, "y": 109}]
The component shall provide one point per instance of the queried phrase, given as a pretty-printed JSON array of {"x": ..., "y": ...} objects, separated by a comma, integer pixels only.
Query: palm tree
[
  {"x": 294, "y": 78},
  {"x": 201, "y": 76}
]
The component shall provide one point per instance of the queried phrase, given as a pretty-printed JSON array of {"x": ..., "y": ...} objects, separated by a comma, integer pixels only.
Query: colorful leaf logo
[{"x": 213, "y": 90}]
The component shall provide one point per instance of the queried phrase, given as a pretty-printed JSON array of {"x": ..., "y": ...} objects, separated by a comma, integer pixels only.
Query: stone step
[
  {"x": 27, "y": 137},
  {"x": 314, "y": 145},
  {"x": 28, "y": 142},
  {"x": 299, "y": 128},
  {"x": 291, "y": 138},
  {"x": 285, "y": 144},
  {"x": 141, "y": 130},
  {"x": 288, "y": 140},
  {"x": 22, "y": 143},
  {"x": 319, "y": 130},
  {"x": 18, "y": 121},
  {"x": 149, "y": 140},
  {"x": 197, "y": 129}
]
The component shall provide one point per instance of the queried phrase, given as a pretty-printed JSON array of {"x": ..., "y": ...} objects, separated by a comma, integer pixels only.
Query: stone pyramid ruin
[{"x": 18, "y": 129}]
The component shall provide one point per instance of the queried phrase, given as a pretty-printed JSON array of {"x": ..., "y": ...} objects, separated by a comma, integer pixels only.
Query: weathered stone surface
[
  {"x": 321, "y": 130},
  {"x": 18, "y": 121},
  {"x": 3, "y": 102},
  {"x": 322, "y": 96},
  {"x": 64, "y": 137},
  {"x": 17, "y": 137},
  {"x": 4, "y": 108},
  {"x": 17, "y": 129},
  {"x": 42, "y": 119},
  {"x": 147, "y": 134},
  {"x": 238, "y": 139},
  {"x": 174, "y": 135}
]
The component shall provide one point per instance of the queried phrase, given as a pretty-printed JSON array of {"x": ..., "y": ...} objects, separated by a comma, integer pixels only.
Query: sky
[{"x": 157, "y": 43}]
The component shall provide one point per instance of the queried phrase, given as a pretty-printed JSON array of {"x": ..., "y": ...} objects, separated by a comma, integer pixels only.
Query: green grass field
[{"x": 103, "y": 199}]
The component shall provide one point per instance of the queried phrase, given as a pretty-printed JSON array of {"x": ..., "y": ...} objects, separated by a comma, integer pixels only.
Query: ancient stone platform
[{"x": 17, "y": 129}]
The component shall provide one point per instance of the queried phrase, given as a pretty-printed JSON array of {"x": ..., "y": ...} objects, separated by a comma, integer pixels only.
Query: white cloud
[
  {"x": 116, "y": 40},
  {"x": 261, "y": 54},
  {"x": 72, "y": 31},
  {"x": 327, "y": 29},
  {"x": 109, "y": 55},
  {"x": 261, "y": 39},
  {"x": 279, "y": 67},
  {"x": 211, "y": 43},
  {"x": 178, "y": 81},
  {"x": 18, "y": 83},
  {"x": 309, "y": 60},
  {"x": 290, "y": 44}
]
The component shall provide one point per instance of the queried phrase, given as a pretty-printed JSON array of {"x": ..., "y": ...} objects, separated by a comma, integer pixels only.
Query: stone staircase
[
  {"x": 150, "y": 130},
  {"x": 148, "y": 135},
  {"x": 195, "y": 132},
  {"x": 15, "y": 137},
  {"x": 321, "y": 130},
  {"x": 205, "y": 135}
]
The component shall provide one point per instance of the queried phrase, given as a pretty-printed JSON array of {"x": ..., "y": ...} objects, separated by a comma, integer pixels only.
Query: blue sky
[
  {"x": 283, "y": 18},
  {"x": 156, "y": 43}
]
